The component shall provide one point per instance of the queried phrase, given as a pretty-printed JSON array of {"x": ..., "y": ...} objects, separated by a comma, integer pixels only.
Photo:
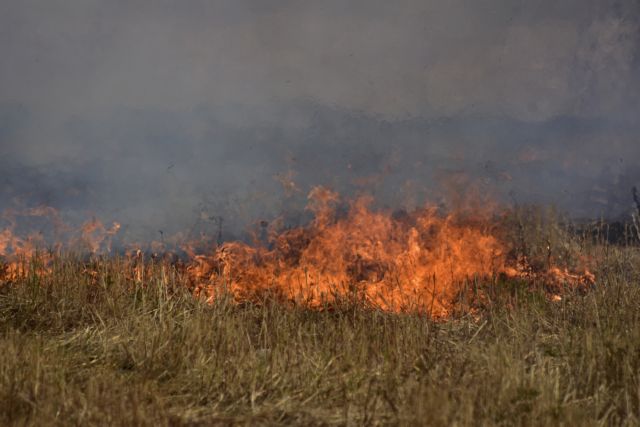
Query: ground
[{"x": 92, "y": 349}]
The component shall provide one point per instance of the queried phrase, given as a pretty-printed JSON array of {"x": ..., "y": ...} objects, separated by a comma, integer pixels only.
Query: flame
[
  {"x": 415, "y": 262},
  {"x": 418, "y": 261},
  {"x": 95, "y": 234},
  {"x": 20, "y": 256},
  {"x": 22, "y": 250}
]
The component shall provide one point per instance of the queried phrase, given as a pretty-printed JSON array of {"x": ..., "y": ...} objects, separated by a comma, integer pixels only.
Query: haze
[{"x": 166, "y": 114}]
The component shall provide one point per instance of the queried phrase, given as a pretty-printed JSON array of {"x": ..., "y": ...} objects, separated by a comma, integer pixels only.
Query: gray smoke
[{"x": 170, "y": 114}]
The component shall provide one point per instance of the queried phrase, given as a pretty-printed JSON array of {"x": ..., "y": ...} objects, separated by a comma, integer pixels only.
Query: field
[{"x": 93, "y": 349}]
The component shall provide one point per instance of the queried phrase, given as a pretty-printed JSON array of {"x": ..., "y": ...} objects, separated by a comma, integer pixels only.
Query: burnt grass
[{"x": 80, "y": 349}]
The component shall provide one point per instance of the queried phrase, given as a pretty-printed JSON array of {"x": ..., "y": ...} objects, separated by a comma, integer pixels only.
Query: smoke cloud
[{"x": 167, "y": 115}]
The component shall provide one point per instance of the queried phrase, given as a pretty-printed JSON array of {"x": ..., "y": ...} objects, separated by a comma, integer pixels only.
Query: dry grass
[{"x": 80, "y": 351}]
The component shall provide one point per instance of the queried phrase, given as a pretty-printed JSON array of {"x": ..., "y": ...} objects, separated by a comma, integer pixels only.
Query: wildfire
[
  {"x": 19, "y": 256},
  {"x": 417, "y": 261}
]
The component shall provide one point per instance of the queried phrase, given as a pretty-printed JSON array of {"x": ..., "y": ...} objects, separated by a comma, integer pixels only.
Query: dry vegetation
[{"x": 96, "y": 349}]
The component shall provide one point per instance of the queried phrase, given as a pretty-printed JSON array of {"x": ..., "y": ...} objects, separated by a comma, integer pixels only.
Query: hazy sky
[{"x": 158, "y": 113}]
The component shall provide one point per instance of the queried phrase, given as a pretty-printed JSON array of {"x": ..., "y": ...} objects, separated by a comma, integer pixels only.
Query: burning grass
[
  {"x": 88, "y": 345},
  {"x": 120, "y": 339},
  {"x": 420, "y": 261},
  {"x": 414, "y": 262}
]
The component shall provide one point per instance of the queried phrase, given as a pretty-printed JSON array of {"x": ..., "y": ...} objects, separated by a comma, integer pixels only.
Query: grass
[{"x": 77, "y": 349}]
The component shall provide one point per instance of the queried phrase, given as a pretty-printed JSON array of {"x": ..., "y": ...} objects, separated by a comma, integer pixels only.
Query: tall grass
[{"x": 79, "y": 349}]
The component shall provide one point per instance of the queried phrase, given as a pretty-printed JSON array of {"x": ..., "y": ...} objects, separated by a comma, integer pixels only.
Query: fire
[
  {"x": 20, "y": 256},
  {"x": 95, "y": 234},
  {"x": 22, "y": 250},
  {"x": 419, "y": 261},
  {"x": 415, "y": 262}
]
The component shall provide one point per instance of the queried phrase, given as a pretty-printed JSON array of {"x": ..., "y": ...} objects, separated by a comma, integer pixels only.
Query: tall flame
[{"x": 415, "y": 261}]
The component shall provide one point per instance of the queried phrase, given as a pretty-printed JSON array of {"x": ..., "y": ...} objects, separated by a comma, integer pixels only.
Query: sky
[{"x": 168, "y": 114}]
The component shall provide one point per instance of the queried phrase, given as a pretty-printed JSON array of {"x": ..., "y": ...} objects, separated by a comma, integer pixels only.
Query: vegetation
[{"x": 84, "y": 345}]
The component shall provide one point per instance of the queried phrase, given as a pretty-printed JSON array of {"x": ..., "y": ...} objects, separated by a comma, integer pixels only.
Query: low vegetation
[{"x": 99, "y": 349}]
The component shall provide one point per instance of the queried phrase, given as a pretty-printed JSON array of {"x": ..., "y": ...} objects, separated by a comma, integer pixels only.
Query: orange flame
[
  {"x": 23, "y": 255},
  {"x": 413, "y": 262},
  {"x": 418, "y": 261},
  {"x": 95, "y": 234}
]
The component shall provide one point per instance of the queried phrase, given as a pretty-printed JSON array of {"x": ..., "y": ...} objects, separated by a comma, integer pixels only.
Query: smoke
[{"x": 167, "y": 114}]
